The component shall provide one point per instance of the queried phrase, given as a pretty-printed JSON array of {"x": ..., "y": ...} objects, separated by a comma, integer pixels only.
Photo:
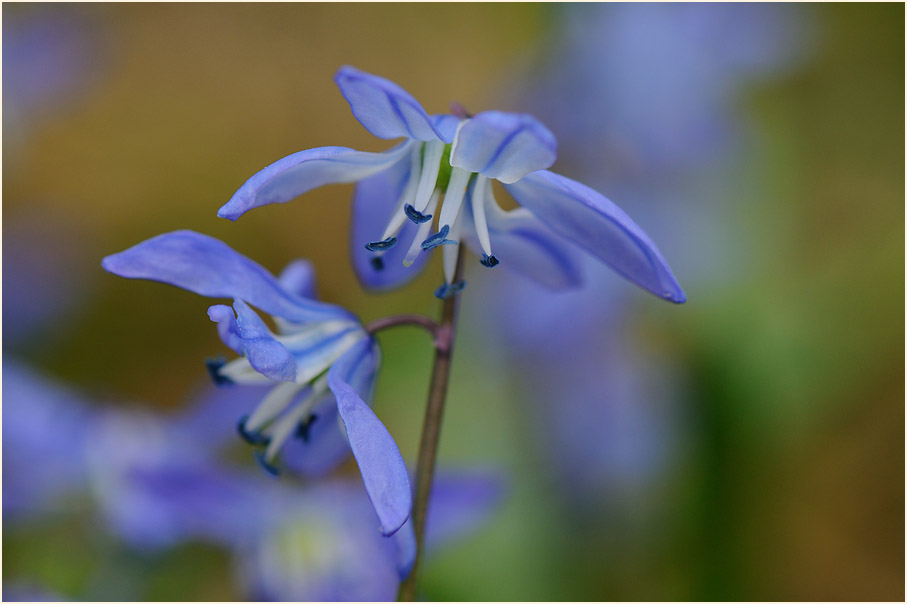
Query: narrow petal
[
  {"x": 296, "y": 174},
  {"x": 249, "y": 334},
  {"x": 209, "y": 267},
  {"x": 593, "y": 222},
  {"x": 505, "y": 146},
  {"x": 383, "y": 471},
  {"x": 375, "y": 199},
  {"x": 385, "y": 109},
  {"x": 405, "y": 540},
  {"x": 523, "y": 244}
]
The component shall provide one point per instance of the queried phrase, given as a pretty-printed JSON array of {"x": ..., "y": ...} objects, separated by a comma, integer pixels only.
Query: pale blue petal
[
  {"x": 590, "y": 220},
  {"x": 209, "y": 267},
  {"x": 382, "y": 467},
  {"x": 385, "y": 109},
  {"x": 249, "y": 335},
  {"x": 303, "y": 171},
  {"x": 375, "y": 199},
  {"x": 522, "y": 243},
  {"x": 299, "y": 278},
  {"x": 505, "y": 146}
]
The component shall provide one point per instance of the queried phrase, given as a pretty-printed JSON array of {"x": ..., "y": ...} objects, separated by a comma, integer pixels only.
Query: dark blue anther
[
  {"x": 446, "y": 291},
  {"x": 253, "y": 438},
  {"x": 415, "y": 215},
  {"x": 302, "y": 430},
  {"x": 380, "y": 246},
  {"x": 377, "y": 263},
  {"x": 439, "y": 238},
  {"x": 266, "y": 465},
  {"x": 489, "y": 261},
  {"x": 214, "y": 366}
]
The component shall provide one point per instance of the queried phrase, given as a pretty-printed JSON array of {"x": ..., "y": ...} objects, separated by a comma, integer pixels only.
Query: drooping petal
[
  {"x": 209, "y": 267},
  {"x": 595, "y": 223},
  {"x": 524, "y": 244},
  {"x": 298, "y": 277},
  {"x": 385, "y": 109},
  {"x": 382, "y": 467},
  {"x": 446, "y": 125},
  {"x": 303, "y": 171},
  {"x": 375, "y": 199},
  {"x": 248, "y": 334},
  {"x": 405, "y": 541},
  {"x": 505, "y": 146}
]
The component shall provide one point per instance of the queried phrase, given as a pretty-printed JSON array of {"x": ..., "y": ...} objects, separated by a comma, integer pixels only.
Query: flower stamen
[
  {"x": 418, "y": 243},
  {"x": 431, "y": 165}
]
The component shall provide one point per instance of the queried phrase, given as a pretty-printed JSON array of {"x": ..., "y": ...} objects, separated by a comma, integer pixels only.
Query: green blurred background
[{"x": 788, "y": 482}]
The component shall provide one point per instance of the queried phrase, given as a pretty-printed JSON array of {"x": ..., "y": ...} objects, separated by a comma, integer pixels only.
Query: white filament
[
  {"x": 452, "y": 251},
  {"x": 478, "y": 210},
  {"x": 416, "y": 247},
  {"x": 398, "y": 216},
  {"x": 431, "y": 164},
  {"x": 453, "y": 198},
  {"x": 284, "y": 427},
  {"x": 273, "y": 404}
]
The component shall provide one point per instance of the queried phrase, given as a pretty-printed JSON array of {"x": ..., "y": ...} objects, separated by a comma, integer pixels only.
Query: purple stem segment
[{"x": 444, "y": 334}]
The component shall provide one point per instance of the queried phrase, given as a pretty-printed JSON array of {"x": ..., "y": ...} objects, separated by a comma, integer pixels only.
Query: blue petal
[
  {"x": 298, "y": 277},
  {"x": 593, "y": 222},
  {"x": 405, "y": 540},
  {"x": 446, "y": 125},
  {"x": 323, "y": 450},
  {"x": 209, "y": 267},
  {"x": 375, "y": 199},
  {"x": 385, "y": 109},
  {"x": 522, "y": 242},
  {"x": 505, "y": 146},
  {"x": 249, "y": 335},
  {"x": 303, "y": 171},
  {"x": 383, "y": 471}
]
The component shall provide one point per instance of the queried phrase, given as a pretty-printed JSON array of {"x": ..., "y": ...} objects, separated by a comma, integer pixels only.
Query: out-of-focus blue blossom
[
  {"x": 156, "y": 485},
  {"x": 459, "y": 156},
  {"x": 50, "y": 58},
  {"x": 323, "y": 359},
  {"x": 653, "y": 89},
  {"x": 45, "y": 280},
  {"x": 320, "y": 545},
  {"x": 45, "y": 427}
]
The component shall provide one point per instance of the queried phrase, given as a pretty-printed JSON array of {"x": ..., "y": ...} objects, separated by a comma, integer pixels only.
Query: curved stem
[
  {"x": 426, "y": 323},
  {"x": 431, "y": 430}
]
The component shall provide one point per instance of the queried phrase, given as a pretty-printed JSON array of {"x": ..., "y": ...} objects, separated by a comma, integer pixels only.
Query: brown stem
[
  {"x": 426, "y": 323},
  {"x": 431, "y": 430}
]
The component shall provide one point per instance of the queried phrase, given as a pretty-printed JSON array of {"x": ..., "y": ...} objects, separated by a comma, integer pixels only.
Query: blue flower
[
  {"x": 322, "y": 354},
  {"x": 399, "y": 195}
]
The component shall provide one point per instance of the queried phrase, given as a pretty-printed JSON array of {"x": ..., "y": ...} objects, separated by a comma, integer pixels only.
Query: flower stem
[
  {"x": 429, "y": 325},
  {"x": 431, "y": 430}
]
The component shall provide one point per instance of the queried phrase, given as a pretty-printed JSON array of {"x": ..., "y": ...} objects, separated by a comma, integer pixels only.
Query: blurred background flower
[{"x": 747, "y": 445}]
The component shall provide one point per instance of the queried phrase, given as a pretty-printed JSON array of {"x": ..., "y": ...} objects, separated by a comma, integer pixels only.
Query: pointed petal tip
[
  {"x": 389, "y": 528},
  {"x": 226, "y": 212}
]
